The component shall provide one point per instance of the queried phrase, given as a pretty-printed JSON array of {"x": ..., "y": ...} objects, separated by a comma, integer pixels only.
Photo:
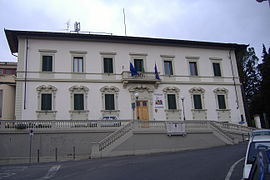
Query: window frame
[
  {"x": 112, "y": 65},
  {"x": 77, "y": 70},
  {"x": 79, "y": 54},
  {"x": 224, "y": 92},
  {"x": 78, "y": 90},
  {"x": 47, "y": 52},
  {"x": 141, "y": 56},
  {"x": 43, "y": 89},
  {"x": 42, "y": 102},
  {"x": 197, "y": 91},
  {"x": 196, "y": 68},
  {"x": 197, "y": 106},
  {"x": 107, "y": 106},
  {"x": 174, "y": 103},
  {"x": 109, "y": 90},
  {"x": 214, "y": 72},
  {"x": 171, "y": 67},
  {"x": 80, "y": 106}
]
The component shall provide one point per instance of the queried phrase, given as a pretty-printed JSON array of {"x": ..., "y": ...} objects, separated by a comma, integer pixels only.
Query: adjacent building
[
  {"x": 7, "y": 90},
  {"x": 82, "y": 76}
]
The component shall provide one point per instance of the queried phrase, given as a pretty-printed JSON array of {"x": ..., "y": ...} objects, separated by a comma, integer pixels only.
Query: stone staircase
[{"x": 226, "y": 132}]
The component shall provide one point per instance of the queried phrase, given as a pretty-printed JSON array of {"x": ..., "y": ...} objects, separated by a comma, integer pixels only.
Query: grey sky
[{"x": 235, "y": 21}]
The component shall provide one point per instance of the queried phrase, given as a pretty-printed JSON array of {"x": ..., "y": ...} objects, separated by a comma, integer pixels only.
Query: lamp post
[
  {"x": 183, "y": 104},
  {"x": 136, "y": 95}
]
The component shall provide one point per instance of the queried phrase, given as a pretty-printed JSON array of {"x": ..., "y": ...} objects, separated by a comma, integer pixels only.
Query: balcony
[{"x": 146, "y": 77}]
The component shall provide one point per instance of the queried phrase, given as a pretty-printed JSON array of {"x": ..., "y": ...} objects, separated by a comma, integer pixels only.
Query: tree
[
  {"x": 250, "y": 78},
  {"x": 265, "y": 87}
]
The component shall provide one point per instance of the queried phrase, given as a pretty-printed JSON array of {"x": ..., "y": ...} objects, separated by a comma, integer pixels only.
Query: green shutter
[
  {"x": 171, "y": 101},
  {"x": 108, "y": 65},
  {"x": 221, "y": 102},
  {"x": 78, "y": 102},
  {"x": 46, "y": 102},
  {"x": 46, "y": 63},
  {"x": 217, "y": 71},
  {"x": 197, "y": 101},
  {"x": 109, "y": 102}
]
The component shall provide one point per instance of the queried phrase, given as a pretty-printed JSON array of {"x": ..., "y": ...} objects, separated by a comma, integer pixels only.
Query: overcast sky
[{"x": 233, "y": 21}]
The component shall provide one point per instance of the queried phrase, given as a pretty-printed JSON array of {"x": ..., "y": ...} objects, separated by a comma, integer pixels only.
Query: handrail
[{"x": 114, "y": 136}]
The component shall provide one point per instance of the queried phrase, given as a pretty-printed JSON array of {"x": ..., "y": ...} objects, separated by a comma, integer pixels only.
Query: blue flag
[
  {"x": 156, "y": 73},
  {"x": 132, "y": 70}
]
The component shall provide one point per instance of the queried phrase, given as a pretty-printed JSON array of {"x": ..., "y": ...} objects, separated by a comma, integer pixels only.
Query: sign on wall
[{"x": 159, "y": 100}]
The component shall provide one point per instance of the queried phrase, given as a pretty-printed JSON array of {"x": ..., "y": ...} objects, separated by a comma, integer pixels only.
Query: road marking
[
  {"x": 6, "y": 172},
  {"x": 51, "y": 173},
  {"x": 232, "y": 169}
]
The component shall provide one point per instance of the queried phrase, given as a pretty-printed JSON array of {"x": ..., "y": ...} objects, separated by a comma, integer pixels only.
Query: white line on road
[
  {"x": 232, "y": 168},
  {"x": 51, "y": 173}
]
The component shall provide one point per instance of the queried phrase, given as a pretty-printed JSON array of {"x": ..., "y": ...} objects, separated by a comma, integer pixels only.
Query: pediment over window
[
  {"x": 48, "y": 88},
  {"x": 109, "y": 89},
  {"x": 79, "y": 88},
  {"x": 221, "y": 91},
  {"x": 197, "y": 90},
  {"x": 171, "y": 90}
]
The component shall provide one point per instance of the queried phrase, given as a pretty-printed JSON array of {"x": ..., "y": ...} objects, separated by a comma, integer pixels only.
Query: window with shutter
[
  {"x": 109, "y": 102},
  {"x": 46, "y": 101},
  {"x": 171, "y": 101}
]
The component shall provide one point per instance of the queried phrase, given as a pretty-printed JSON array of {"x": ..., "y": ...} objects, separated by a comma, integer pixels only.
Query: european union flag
[
  {"x": 132, "y": 70},
  {"x": 156, "y": 73}
]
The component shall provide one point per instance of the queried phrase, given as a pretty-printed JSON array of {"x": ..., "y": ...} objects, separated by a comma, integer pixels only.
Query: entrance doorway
[{"x": 142, "y": 112}]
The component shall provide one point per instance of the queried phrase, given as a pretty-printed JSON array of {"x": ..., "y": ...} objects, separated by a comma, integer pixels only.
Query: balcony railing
[{"x": 145, "y": 77}]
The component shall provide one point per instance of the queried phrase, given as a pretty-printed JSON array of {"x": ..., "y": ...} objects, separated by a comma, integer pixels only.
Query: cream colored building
[
  {"x": 7, "y": 90},
  {"x": 87, "y": 76}
]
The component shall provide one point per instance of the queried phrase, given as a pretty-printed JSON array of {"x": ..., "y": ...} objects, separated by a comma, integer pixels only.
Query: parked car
[
  {"x": 256, "y": 144},
  {"x": 260, "y": 168},
  {"x": 260, "y": 132}
]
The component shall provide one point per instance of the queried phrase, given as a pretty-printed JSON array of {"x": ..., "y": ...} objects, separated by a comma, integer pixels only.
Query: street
[{"x": 206, "y": 164}]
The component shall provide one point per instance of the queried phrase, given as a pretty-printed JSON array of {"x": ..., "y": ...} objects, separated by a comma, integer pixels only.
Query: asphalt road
[{"x": 206, "y": 164}]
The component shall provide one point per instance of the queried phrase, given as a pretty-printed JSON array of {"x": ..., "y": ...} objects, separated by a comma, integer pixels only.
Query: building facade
[
  {"x": 7, "y": 90},
  {"x": 87, "y": 76}
]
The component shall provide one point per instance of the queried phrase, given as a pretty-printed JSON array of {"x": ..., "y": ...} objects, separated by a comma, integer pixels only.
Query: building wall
[{"x": 62, "y": 77}]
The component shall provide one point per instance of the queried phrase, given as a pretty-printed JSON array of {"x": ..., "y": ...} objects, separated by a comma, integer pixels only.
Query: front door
[{"x": 142, "y": 112}]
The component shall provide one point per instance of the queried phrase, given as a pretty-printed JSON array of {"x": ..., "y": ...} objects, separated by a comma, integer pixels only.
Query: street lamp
[
  {"x": 183, "y": 104},
  {"x": 136, "y": 95}
]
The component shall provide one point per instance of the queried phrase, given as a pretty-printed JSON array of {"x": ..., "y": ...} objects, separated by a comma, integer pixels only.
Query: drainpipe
[
  {"x": 233, "y": 74},
  {"x": 25, "y": 71}
]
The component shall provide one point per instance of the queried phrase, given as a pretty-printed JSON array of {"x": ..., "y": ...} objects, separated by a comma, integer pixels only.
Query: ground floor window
[
  {"x": 46, "y": 102},
  {"x": 78, "y": 101},
  {"x": 109, "y": 102},
  {"x": 171, "y": 101}
]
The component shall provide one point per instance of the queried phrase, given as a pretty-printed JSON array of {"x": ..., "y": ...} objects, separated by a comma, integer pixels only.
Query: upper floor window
[
  {"x": 216, "y": 69},
  {"x": 78, "y": 64},
  {"x": 47, "y": 63},
  {"x": 46, "y": 101},
  {"x": 193, "y": 68},
  {"x": 171, "y": 101},
  {"x": 168, "y": 69},
  {"x": 108, "y": 65},
  {"x": 138, "y": 65},
  {"x": 109, "y": 102}
]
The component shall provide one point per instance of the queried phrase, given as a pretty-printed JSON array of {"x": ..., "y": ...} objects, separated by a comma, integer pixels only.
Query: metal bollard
[
  {"x": 74, "y": 152},
  {"x": 38, "y": 155},
  {"x": 55, "y": 154}
]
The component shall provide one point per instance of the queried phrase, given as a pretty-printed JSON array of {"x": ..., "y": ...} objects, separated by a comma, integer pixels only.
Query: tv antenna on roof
[{"x": 77, "y": 26}]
